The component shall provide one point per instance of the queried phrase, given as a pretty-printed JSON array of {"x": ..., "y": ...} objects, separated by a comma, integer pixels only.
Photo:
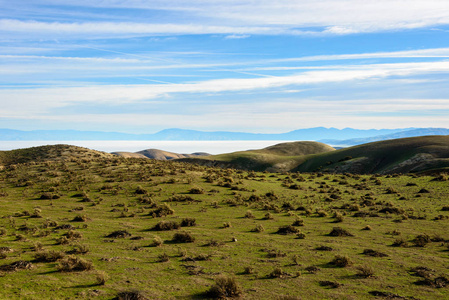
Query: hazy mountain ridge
[{"x": 309, "y": 134}]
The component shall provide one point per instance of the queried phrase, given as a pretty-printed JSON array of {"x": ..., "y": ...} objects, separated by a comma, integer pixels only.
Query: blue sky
[{"x": 257, "y": 66}]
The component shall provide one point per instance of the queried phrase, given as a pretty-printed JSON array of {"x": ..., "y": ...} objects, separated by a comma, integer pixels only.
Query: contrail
[{"x": 175, "y": 62}]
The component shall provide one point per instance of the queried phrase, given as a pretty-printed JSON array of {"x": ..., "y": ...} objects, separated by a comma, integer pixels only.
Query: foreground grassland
[{"x": 91, "y": 229}]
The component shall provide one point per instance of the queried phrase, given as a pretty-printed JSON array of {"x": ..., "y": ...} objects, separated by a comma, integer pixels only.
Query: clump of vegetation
[
  {"x": 183, "y": 237},
  {"x": 338, "y": 231},
  {"x": 421, "y": 240},
  {"x": 374, "y": 253},
  {"x": 131, "y": 295},
  {"x": 119, "y": 234},
  {"x": 48, "y": 256},
  {"x": 365, "y": 271},
  {"x": 288, "y": 229},
  {"x": 341, "y": 261},
  {"x": 72, "y": 263},
  {"x": 162, "y": 211},
  {"x": 188, "y": 222},
  {"x": 225, "y": 287},
  {"x": 166, "y": 225}
]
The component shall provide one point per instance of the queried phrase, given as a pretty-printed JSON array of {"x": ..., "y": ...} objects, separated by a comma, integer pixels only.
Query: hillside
[
  {"x": 158, "y": 154},
  {"x": 117, "y": 228},
  {"x": 416, "y": 154},
  {"x": 280, "y": 157},
  {"x": 52, "y": 152}
]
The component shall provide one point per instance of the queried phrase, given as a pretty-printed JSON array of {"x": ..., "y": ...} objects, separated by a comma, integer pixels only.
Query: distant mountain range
[{"x": 333, "y": 136}]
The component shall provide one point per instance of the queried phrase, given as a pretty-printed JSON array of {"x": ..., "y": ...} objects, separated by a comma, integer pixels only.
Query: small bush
[
  {"x": 196, "y": 190},
  {"x": 162, "y": 211},
  {"x": 249, "y": 215},
  {"x": 157, "y": 241},
  {"x": 163, "y": 257},
  {"x": 183, "y": 237},
  {"x": 421, "y": 240},
  {"x": 288, "y": 229},
  {"x": 225, "y": 287},
  {"x": 277, "y": 273},
  {"x": 258, "y": 228},
  {"x": 374, "y": 253},
  {"x": 80, "y": 218},
  {"x": 119, "y": 234},
  {"x": 131, "y": 295},
  {"x": 331, "y": 284},
  {"x": 338, "y": 231},
  {"x": 166, "y": 225},
  {"x": 227, "y": 225},
  {"x": 340, "y": 261},
  {"x": 400, "y": 242},
  {"x": 72, "y": 263},
  {"x": 365, "y": 271},
  {"x": 298, "y": 222},
  {"x": 101, "y": 277},
  {"x": 48, "y": 256},
  {"x": 188, "y": 222}
]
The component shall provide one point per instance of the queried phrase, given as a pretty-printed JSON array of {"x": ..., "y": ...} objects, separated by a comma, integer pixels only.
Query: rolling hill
[
  {"x": 277, "y": 158},
  {"x": 158, "y": 154},
  {"x": 416, "y": 154},
  {"x": 44, "y": 153}
]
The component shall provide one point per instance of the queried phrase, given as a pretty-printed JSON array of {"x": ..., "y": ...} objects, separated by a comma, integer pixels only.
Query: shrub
[
  {"x": 119, "y": 234},
  {"x": 73, "y": 235},
  {"x": 340, "y": 261},
  {"x": 188, "y": 222},
  {"x": 288, "y": 229},
  {"x": 298, "y": 222},
  {"x": 157, "y": 241},
  {"x": 258, "y": 228},
  {"x": 166, "y": 225},
  {"x": 365, "y": 271},
  {"x": 249, "y": 215},
  {"x": 196, "y": 190},
  {"x": 269, "y": 216},
  {"x": 162, "y": 211},
  {"x": 338, "y": 231},
  {"x": 374, "y": 253},
  {"x": 277, "y": 273},
  {"x": 225, "y": 287},
  {"x": 227, "y": 225},
  {"x": 80, "y": 218},
  {"x": 17, "y": 265},
  {"x": 330, "y": 284},
  {"x": 421, "y": 240},
  {"x": 183, "y": 237},
  {"x": 48, "y": 256},
  {"x": 163, "y": 257},
  {"x": 131, "y": 295},
  {"x": 101, "y": 277},
  {"x": 400, "y": 242},
  {"x": 72, "y": 263}
]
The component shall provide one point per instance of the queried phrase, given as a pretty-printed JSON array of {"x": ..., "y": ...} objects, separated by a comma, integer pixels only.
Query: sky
[{"x": 262, "y": 66}]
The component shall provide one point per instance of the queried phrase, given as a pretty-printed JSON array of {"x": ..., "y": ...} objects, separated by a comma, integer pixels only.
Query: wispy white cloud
[
  {"x": 40, "y": 100},
  {"x": 240, "y": 18}
]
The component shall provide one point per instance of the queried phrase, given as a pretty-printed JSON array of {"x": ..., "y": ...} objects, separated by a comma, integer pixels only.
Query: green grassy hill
[
  {"x": 98, "y": 227},
  {"x": 50, "y": 152},
  {"x": 280, "y": 157},
  {"x": 417, "y": 154}
]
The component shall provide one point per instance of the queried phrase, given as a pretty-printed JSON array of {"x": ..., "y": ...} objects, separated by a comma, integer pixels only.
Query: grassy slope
[
  {"x": 52, "y": 152},
  {"x": 384, "y": 156},
  {"x": 110, "y": 203},
  {"x": 279, "y": 157}
]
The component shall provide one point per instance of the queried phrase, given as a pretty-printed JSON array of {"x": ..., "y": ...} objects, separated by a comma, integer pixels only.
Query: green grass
[{"x": 103, "y": 190}]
